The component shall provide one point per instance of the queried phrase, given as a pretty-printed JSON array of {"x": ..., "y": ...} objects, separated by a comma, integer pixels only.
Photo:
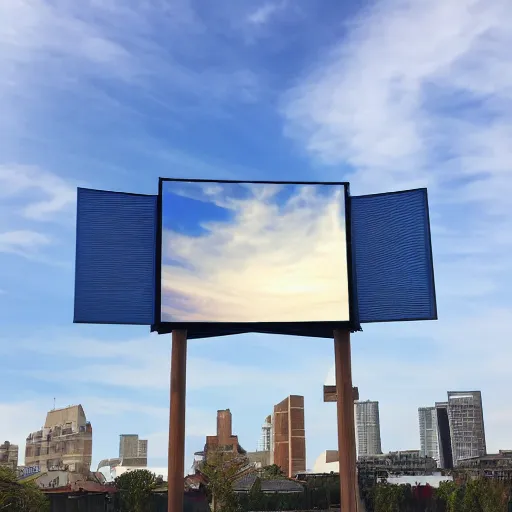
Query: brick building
[
  {"x": 289, "y": 435},
  {"x": 224, "y": 441}
]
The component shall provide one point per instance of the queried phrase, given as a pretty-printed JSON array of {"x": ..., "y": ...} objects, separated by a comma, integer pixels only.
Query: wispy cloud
[
  {"x": 44, "y": 195},
  {"x": 32, "y": 198},
  {"x": 395, "y": 112},
  {"x": 95, "y": 44},
  {"x": 275, "y": 260},
  {"x": 144, "y": 364},
  {"x": 23, "y": 243},
  {"x": 264, "y": 13}
]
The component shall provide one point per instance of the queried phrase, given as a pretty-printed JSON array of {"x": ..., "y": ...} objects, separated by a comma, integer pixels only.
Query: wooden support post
[
  {"x": 176, "y": 454},
  {"x": 346, "y": 428}
]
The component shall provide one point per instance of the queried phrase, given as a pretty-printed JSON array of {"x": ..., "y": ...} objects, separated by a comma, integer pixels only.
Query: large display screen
[{"x": 253, "y": 252}]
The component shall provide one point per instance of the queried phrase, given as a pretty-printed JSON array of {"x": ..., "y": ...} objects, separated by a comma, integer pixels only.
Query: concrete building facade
[
  {"x": 367, "y": 421},
  {"x": 429, "y": 443},
  {"x": 9, "y": 455},
  {"x": 466, "y": 420},
  {"x": 65, "y": 442},
  {"x": 497, "y": 466},
  {"x": 290, "y": 435},
  {"x": 133, "y": 451}
]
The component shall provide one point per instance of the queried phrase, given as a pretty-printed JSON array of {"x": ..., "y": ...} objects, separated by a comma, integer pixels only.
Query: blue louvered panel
[
  {"x": 115, "y": 258},
  {"x": 393, "y": 258}
]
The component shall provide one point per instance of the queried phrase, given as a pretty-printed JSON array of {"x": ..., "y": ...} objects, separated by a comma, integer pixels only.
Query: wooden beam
[
  {"x": 176, "y": 454},
  {"x": 346, "y": 428},
  {"x": 331, "y": 396}
]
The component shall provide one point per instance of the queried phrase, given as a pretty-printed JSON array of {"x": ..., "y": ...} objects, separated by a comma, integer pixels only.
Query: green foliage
[
  {"x": 478, "y": 495},
  {"x": 392, "y": 498},
  {"x": 19, "y": 496},
  {"x": 272, "y": 472},
  {"x": 135, "y": 490}
]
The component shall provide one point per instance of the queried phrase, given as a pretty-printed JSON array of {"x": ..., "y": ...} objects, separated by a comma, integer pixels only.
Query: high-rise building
[
  {"x": 367, "y": 428},
  {"x": 466, "y": 419},
  {"x": 429, "y": 443},
  {"x": 290, "y": 435},
  {"x": 65, "y": 441},
  {"x": 9, "y": 455},
  {"x": 444, "y": 436},
  {"x": 266, "y": 440},
  {"x": 133, "y": 451}
]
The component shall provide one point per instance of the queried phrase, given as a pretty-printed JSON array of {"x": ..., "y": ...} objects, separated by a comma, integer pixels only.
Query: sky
[
  {"x": 236, "y": 252},
  {"x": 388, "y": 95}
]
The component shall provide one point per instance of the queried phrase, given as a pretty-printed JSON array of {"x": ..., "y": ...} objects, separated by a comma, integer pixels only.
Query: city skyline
[
  {"x": 113, "y": 95},
  {"x": 464, "y": 419}
]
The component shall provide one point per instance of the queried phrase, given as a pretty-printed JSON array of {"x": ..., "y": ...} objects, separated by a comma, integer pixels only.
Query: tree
[
  {"x": 272, "y": 472},
  {"x": 135, "y": 490},
  {"x": 20, "y": 496},
  {"x": 222, "y": 469}
]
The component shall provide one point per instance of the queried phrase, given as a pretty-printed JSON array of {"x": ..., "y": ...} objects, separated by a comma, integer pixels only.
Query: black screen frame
[{"x": 194, "y": 330}]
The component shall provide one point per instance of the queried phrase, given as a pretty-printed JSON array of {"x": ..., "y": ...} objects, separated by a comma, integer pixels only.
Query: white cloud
[
  {"x": 29, "y": 196},
  {"x": 23, "y": 243},
  {"x": 145, "y": 364},
  {"x": 53, "y": 195},
  {"x": 264, "y": 13},
  {"x": 118, "y": 43},
  {"x": 413, "y": 85},
  {"x": 270, "y": 263}
]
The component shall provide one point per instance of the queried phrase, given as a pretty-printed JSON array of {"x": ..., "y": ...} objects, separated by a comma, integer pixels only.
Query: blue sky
[
  {"x": 388, "y": 95},
  {"x": 240, "y": 252}
]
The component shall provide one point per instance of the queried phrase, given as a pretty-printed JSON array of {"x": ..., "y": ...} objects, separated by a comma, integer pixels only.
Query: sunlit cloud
[{"x": 278, "y": 254}]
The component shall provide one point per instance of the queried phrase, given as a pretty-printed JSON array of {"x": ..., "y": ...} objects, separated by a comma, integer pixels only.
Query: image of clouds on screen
[{"x": 253, "y": 253}]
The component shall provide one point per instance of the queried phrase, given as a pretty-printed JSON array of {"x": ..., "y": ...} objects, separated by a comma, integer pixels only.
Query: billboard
[
  {"x": 219, "y": 258},
  {"x": 252, "y": 252}
]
